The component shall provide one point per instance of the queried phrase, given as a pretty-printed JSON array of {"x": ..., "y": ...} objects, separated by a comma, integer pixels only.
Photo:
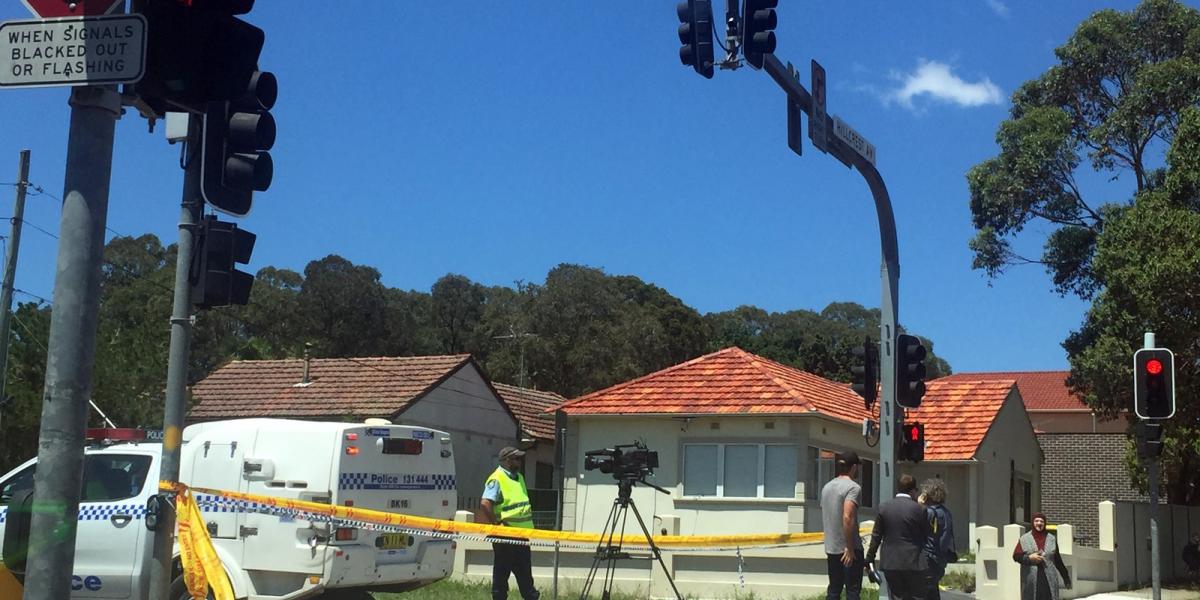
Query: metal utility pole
[
  {"x": 10, "y": 271},
  {"x": 889, "y": 280},
  {"x": 177, "y": 361},
  {"x": 1152, "y": 475},
  {"x": 94, "y": 114}
]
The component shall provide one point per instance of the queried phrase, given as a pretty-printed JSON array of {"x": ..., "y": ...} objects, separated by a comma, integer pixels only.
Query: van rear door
[
  {"x": 399, "y": 469},
  {"x": 294, "y": 460}
]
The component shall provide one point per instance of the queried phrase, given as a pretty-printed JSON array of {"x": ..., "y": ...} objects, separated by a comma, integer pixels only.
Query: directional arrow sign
[{"x": 48, "y": 9}]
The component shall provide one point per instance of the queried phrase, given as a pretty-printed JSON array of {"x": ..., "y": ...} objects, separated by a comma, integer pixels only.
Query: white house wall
[
  {"x": 465, "y": 407},
  {"x": 1010, "y": 446},
  {"x": 590, "y": 494}
]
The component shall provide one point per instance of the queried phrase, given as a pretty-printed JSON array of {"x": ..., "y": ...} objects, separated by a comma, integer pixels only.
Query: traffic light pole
[
  {"x": 71, "y": 352},
  {"x": 889, "y": 281},
  {"x": 177, "y": 360},
  {"x": 1152, "y": 475}
]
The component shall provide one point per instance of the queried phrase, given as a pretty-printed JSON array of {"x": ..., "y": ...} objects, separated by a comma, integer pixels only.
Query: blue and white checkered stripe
[
  {"x": 443, "y": 482},
  {"x": 352, "y": 481},
  {"x": 100, "y": 512}
]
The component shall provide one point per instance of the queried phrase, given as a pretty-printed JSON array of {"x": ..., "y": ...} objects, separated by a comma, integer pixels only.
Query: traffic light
[
  {"x": 910, "y": 371},
  {"x": 234, "y": 162},
  {"x": 866, "y": 374},
  {"x": 197, "y": 52},
  {"x": 758, "y": 23},
  {"x": 1149, "y": 439},
  {"x": 911, "y": 446},
  {"x": 696, "y": 35},
  {"x": 214, "y": 279},
  {"x": 1154, "y": 383}
]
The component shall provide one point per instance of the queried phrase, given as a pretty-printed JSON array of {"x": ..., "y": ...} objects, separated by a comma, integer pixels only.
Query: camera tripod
[{"x": 609, "y": 553}]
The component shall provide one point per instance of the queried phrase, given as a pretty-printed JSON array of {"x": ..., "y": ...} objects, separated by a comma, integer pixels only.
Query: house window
[
  {"x": 866, "y": 478},
  {"x": 739, "y": 470},
  {"x": 1022, "y": 500},
  {"x": 819, "y": 469}
]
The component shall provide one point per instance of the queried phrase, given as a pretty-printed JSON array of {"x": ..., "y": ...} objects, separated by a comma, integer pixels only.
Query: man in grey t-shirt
[{"x": 839, "y": 514}]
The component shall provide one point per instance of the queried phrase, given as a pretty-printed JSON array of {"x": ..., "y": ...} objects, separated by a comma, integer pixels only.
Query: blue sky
[{"x": 498, "y": 139}]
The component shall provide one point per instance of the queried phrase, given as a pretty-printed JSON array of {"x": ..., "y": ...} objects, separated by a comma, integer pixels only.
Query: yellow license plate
[{"x": 393, "y": 541}]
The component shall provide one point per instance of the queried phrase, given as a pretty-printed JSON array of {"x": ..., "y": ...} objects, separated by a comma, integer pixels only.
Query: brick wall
[{"x": 1081, "y": 470}]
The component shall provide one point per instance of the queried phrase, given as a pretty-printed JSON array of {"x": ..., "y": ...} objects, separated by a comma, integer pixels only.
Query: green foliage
[
  {"x": 1122, "y": 97},
  {"x": 578, "y": 331},
  {"x": 1117, "y": 92}
]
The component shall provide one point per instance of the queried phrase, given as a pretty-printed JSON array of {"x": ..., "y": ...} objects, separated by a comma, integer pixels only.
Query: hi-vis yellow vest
[{"x": 514, "y": 509}]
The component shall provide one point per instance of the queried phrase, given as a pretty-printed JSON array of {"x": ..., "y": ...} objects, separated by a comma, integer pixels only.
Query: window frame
[{"x": 760, "y": 476}]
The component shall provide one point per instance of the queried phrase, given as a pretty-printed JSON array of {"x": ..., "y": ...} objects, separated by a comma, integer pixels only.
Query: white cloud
[
  {"x": 998, "y": 7},
  {"x": 934, "y": 79}
]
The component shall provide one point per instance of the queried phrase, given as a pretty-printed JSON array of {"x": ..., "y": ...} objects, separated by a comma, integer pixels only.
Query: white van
[{"x": 378, "y": 466}]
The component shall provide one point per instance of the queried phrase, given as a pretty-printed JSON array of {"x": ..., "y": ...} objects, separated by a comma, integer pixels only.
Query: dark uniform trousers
[{"x": 512, "y": 559}]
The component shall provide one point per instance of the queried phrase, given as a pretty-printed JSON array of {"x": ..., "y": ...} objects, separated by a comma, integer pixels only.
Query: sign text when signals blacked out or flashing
[{"x": 72, "y": 51}]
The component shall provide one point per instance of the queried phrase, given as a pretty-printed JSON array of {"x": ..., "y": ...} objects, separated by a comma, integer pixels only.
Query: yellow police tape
[
  {"x": 9, "y": 586},
  {"x": 203, "y": 568}
]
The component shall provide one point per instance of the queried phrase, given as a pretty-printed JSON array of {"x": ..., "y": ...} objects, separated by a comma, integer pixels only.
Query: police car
[{"x": 376, "y": 465}]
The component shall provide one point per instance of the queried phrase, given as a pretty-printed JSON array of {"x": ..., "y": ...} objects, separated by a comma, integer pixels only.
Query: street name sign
[
  {"x": 49, "y": 9},
  {"x": 73, "y": 51},
  {"x": 853, "y": 139}
]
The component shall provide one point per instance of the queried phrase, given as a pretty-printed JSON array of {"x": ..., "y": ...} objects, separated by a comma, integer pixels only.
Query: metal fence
[{"x": 544, "y": 501}]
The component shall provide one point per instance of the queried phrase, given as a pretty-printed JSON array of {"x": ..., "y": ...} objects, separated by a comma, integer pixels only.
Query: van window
[
  {"x": 19, "y": 482},
  {"x": 106, "y": 477},
  {"x": 109, "y": 477}
]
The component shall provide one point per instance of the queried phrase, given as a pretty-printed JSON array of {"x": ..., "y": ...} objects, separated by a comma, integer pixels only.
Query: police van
[{"x": 375, "y": 465}]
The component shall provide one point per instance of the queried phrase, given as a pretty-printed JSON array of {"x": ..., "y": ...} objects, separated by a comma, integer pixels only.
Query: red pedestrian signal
[{"x": 911, "y": 445}]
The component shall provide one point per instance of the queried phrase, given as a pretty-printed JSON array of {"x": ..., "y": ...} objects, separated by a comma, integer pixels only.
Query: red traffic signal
[{"x": 1154, "y": 383}]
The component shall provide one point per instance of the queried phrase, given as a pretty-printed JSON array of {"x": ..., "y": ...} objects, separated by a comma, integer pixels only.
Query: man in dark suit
[{"x": 903, "y": 527}]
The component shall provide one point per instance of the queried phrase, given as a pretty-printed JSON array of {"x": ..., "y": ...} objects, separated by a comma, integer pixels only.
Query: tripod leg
[
  {"x": 610, "y": 572},
  {"x": 609, "y": 526},
  {"x": 654, "y": 550}
]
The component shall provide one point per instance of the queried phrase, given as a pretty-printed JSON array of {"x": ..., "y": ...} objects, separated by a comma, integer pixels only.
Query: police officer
[{"x": 505, "y": 501}]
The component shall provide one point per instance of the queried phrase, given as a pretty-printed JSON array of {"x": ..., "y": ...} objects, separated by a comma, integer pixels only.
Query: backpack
[{"x": 940, "y": 545}]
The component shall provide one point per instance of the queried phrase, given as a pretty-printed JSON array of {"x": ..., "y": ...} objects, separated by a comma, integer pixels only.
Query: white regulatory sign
[
  {"x": 73, "y": 51},
  {"x": 852, "y": 138}
]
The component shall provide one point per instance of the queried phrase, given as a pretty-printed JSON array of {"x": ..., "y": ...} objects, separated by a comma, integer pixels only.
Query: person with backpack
[{"x": 939, "y": 546}]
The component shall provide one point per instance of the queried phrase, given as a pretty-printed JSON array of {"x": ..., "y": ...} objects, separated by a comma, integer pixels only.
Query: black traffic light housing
[
  {"x": 865, "y": 372},
  {"x": 910, "y": 371},
  {"x": 234, "y": 161},
  {"x": 696, "y": 35},
  {"x": 758, "y": 35},
  {"x": 1149, "y": 439},
  {"x": 1154, "y": 383},
  {"x": 911, "y": 444},
  {"x": 197, "y": 52},
  {"x": 214, "y": 279}
]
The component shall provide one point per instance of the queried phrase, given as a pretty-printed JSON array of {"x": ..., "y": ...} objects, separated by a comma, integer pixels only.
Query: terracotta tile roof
[
  {"x": 1041, "y": 390},
  {"x": 530, "y": 408},
  {"x": 731, "y": 381},
  {"x": 958, "y": 414},
  {"x": 338, "y": 388}
]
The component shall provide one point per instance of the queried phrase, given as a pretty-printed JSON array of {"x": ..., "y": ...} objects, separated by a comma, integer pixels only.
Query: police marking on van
[{"x": 395, "y": 481}]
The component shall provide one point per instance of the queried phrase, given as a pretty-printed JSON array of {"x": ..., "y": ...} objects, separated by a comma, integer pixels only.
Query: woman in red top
[{"x": 1036, "y": 550}]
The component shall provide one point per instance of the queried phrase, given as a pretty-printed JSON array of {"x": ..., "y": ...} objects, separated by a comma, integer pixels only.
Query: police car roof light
[{"x": 115, "y": 434}]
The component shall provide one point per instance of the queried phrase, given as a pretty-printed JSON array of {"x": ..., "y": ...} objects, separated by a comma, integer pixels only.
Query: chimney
[{"x": 307, "y": 346}]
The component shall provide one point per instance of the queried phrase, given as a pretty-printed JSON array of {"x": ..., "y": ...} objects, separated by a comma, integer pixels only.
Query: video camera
[{"x": 622, "y": 464}]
